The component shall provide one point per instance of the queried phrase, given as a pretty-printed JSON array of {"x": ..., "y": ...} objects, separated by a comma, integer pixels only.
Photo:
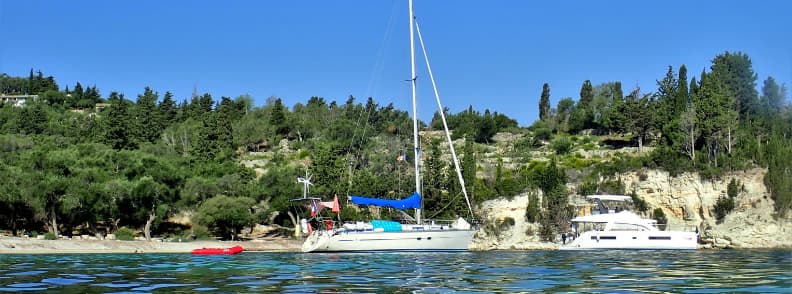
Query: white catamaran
[
  {"x": 380, "y": 235},
  {"x": 623, "y": 229}
]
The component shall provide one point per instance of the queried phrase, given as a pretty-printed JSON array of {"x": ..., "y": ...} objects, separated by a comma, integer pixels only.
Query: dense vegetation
[
  {"x": 71, "y": 165},
  {"x": 713, "y": 124}
]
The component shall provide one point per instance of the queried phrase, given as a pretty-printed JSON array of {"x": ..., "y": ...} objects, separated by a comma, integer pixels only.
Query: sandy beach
[{"x": 15, "y": 245}]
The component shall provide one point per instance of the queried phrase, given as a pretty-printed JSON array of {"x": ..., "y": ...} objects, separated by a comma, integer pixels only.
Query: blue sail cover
[{"x": 413, "y": 201}]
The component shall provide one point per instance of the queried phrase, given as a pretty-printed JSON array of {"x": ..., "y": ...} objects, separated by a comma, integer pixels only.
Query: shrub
[
  {"x": 588, "y": 187},
  {"x": 642, "y": 176},
  {"x": 612, "y": 187},
  {"x": 562, "y": 145},
  {"x": 543, "y": 134},
  {"x": 532, "y": 211},
  {"x": 640, "y": 204},
  {"x": 733, "y": 188},
  {"x": 505, "y": 223},
  {"x": 660, "y": 217},
  {"x": 498, "y": 226},
  {"x": 50, "y": 236},
  {"x": 200, "y": 232},
  {"x": 547, "y": 227},
  {"x": 723, "y": 206},
  {"x": 125, "y": 234}
]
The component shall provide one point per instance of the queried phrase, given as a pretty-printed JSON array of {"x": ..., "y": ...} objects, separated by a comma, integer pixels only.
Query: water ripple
[{"x": 757, "y": 271}]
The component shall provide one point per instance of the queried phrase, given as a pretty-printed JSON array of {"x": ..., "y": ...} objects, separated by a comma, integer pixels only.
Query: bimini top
[
  {"x": 610, "y": 197},
  {"x": 413, "y": 201}
]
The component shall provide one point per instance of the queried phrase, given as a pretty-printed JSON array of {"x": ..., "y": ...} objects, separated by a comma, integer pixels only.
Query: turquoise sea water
[{"x": 702, "y": 271}]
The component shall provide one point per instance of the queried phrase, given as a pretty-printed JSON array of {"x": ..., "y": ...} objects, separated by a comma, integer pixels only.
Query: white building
[{"x": 17, "y": 100}]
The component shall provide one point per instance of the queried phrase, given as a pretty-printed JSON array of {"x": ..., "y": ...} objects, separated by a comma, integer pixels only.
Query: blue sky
[{"x": 489, "y": 54}]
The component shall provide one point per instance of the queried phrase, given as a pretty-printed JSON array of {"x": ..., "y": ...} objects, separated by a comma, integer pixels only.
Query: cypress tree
[
  {"x": 544, "y": 102},
  {"x": 682, "y": 91}
]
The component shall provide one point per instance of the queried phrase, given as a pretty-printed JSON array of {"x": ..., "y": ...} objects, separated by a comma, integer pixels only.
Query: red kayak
[{"x": 212, "y": 251}]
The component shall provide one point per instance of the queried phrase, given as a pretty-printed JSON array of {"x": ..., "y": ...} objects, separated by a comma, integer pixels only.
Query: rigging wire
[
  {"x": 376, "y": 74},
  {"x": 442, "y": 116}
]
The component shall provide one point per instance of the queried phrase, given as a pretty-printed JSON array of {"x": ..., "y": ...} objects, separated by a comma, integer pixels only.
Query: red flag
[
  {"x": 314, "y": 209},
  {"x": 336, "y": 207}
]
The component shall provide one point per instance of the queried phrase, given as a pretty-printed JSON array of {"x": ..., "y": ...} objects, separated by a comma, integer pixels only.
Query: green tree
[
  {"x": 532, "y": 211},
  {"x": 434, "y": 178},
  {"x": 33, "y": 119},
  {"x": 582, "y": 116},
  {"x": 639, "y": 114},
  {"x": 147, "y": 124},
  {"x": 613, "y": 116},
  {"x": 118, "y": 128},
  {"x": 227, "y": 215},
  {"x": 685, "y": 141},
  {"x": 716, "y": 115},
  {"x": 665, "y": 110},
  {"x": 278, "y": 118},
  {"x": 735, "y": 71},
  {"x": 544, "y": 102},
  {"x": 468, "y": 164},
  {"x": 772, "y": 99},
  {"x": 682, "y": 95},
  {"x": 563, "y": 113},
  {"x": 167, "y": 111}
]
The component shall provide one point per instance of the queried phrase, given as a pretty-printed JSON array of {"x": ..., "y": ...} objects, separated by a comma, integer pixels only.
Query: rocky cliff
[{"x": 687, "y": 201}]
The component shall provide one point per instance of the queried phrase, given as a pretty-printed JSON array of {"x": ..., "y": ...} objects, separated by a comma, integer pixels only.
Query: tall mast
[{"x": 415, "y": 113}]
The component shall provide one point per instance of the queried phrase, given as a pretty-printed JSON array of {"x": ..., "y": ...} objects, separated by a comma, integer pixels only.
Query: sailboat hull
[{"x": 353, "y": 241}]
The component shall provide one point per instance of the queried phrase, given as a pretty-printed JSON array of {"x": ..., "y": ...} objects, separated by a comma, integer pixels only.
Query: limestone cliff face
[
  {"x": 497, "y": 234},
  {"x": 687, "y": 201}
]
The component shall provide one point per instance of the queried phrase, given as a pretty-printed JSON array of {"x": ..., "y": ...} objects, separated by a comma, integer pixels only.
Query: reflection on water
[{"x": 700, "y": 271}]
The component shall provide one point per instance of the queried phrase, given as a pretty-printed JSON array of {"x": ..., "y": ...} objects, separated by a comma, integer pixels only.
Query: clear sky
[{"x": 489, "y": 54}]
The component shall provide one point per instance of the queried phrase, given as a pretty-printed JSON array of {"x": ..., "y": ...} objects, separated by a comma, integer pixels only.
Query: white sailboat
[{"x": 422, "y": 235}]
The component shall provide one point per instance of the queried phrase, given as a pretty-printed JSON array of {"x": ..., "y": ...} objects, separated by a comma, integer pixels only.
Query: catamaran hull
[
  {"x": 634, "y": 240},
  {"x": 351, "y": 241}
]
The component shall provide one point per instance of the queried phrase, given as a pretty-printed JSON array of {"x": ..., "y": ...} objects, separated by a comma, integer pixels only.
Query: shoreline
[{"x": 16, "y": 245}]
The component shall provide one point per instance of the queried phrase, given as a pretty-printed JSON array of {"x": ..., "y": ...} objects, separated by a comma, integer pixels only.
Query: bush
[
  {"x": 723, "y": 206},
  {"x": 660, "y": 217},
  {"x": 612, "y": 187},
  {"x": 562, "y": 145},
  {"x": 50, "y": 236},
  {"x": 498, "y": 226},
  {"x": 640, "y": 204},
  {"x": 643, "y": 176},
  {"x": 201, "y": 233},
  {"x": 733, "y": 188},
  {"x": 671, "y": 161},
  {"x": 543, "y": 134},
  {"x": 225, "y": 215},
  {"x": 505, "y": 223},
  {"x": 577, "y": 163},
  {"x": 588, "y": 187},
  {"x": 532, "y": 211},
  {"x": 547, "y": 226},
  {"x": 125, "y": 234}
]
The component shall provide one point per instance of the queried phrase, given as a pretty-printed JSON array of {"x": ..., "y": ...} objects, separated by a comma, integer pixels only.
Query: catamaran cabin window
[{"x": 627, "y": 227}]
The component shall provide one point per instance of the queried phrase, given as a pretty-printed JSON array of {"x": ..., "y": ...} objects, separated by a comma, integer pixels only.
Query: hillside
[{"x": 77, "y": 161}]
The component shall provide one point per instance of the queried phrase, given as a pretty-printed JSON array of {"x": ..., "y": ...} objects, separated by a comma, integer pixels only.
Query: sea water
[{"x": 693, "y": 271}]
